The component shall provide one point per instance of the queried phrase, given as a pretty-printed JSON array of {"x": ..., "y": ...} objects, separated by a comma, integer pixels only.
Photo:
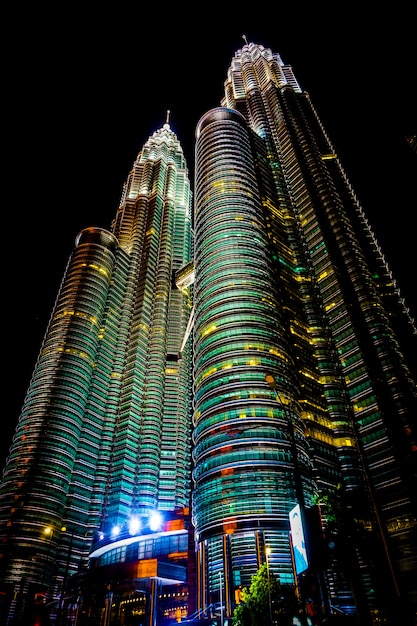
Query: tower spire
[
  {"x": 167, "y": 117},
  {"x": 245, "y": 39}
]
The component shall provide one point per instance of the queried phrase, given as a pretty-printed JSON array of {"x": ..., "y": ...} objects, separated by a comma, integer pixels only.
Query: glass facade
[
  {"x": 105, "y": 430},
  {"x": 224, "y": 369},
  {"x": 244, "y": 469},
  {"x": 302, "y": 391}
]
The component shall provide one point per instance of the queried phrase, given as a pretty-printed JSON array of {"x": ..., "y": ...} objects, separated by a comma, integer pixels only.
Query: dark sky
[{"x": 84, "y": 87}]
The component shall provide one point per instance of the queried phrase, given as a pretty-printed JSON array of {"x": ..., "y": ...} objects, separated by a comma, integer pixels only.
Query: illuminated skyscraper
[
  {"x": 104, "y": 435},
  {"x": 303, "y": 352},
  {"x": 302, "y": 397}
]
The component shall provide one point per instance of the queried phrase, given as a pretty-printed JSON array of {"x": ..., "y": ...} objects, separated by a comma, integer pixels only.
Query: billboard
[{"x": 298, "y": 540}]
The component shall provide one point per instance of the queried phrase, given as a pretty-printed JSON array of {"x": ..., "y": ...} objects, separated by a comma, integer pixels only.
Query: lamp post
[
  {"x": 298, "y": 484},
  {"x": 286, "y": 407},
  {"x": 49, "y": 533},
  {"x": 62, "y": 607},
  {"x": 267, "y": 553},
  {"x": 221, "y": 597}
]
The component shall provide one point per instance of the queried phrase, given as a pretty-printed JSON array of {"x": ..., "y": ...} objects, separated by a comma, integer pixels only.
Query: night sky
[{"x": 84, "y": 88}]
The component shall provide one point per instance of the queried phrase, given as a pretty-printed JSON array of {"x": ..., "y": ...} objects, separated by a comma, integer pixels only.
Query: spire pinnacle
[
  {"x": 245, "y": 40},
  {"x": 168, "y": 115}
]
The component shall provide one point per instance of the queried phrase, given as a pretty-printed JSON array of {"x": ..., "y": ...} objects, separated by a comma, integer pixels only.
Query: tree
[{"x": 266, "y": 602}]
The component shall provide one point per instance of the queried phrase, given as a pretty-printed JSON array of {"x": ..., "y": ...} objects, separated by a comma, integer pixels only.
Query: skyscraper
[
  {"x": 103, "y": 439},
  {"x": 302, "y": 395},
  {"x": 304, "y": 358}
]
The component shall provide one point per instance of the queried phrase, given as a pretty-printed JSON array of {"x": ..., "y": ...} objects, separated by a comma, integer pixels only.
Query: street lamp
[
  {"x": 221, "y": 597},
  {"x": 48, "y": 532},
  {"x": 62, "y": 606},
  {"x": 298, "y": 515},
  {"x": 287, "y": 407},
  {"x": 267, "y": 553}
]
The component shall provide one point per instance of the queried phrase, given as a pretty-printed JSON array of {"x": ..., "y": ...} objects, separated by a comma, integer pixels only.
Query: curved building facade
[
  {"x": 104, "y": 436},
  {"x": 305, "y": 361},
  {"x": 257, "y": 372},
  {"x": 244, "y": 463}
]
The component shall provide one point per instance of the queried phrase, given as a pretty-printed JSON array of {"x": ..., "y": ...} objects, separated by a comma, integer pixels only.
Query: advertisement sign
[{"x": 298, "y": 540}]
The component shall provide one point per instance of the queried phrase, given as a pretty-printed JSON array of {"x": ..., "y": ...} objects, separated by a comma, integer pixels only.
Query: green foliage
[
  {"x": 331, "y": 505},
  {"x": 266, "y": 602}
]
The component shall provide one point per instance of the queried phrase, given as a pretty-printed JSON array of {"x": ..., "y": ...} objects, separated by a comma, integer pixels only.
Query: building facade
[
  {"x": 103, "y": 440},
  {"x": 235, "y": 376},
  {"x": 304, "y": 358}
]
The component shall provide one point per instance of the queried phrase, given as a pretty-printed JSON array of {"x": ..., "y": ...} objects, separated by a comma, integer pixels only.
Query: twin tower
[{"x": 223, "y": 359}]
